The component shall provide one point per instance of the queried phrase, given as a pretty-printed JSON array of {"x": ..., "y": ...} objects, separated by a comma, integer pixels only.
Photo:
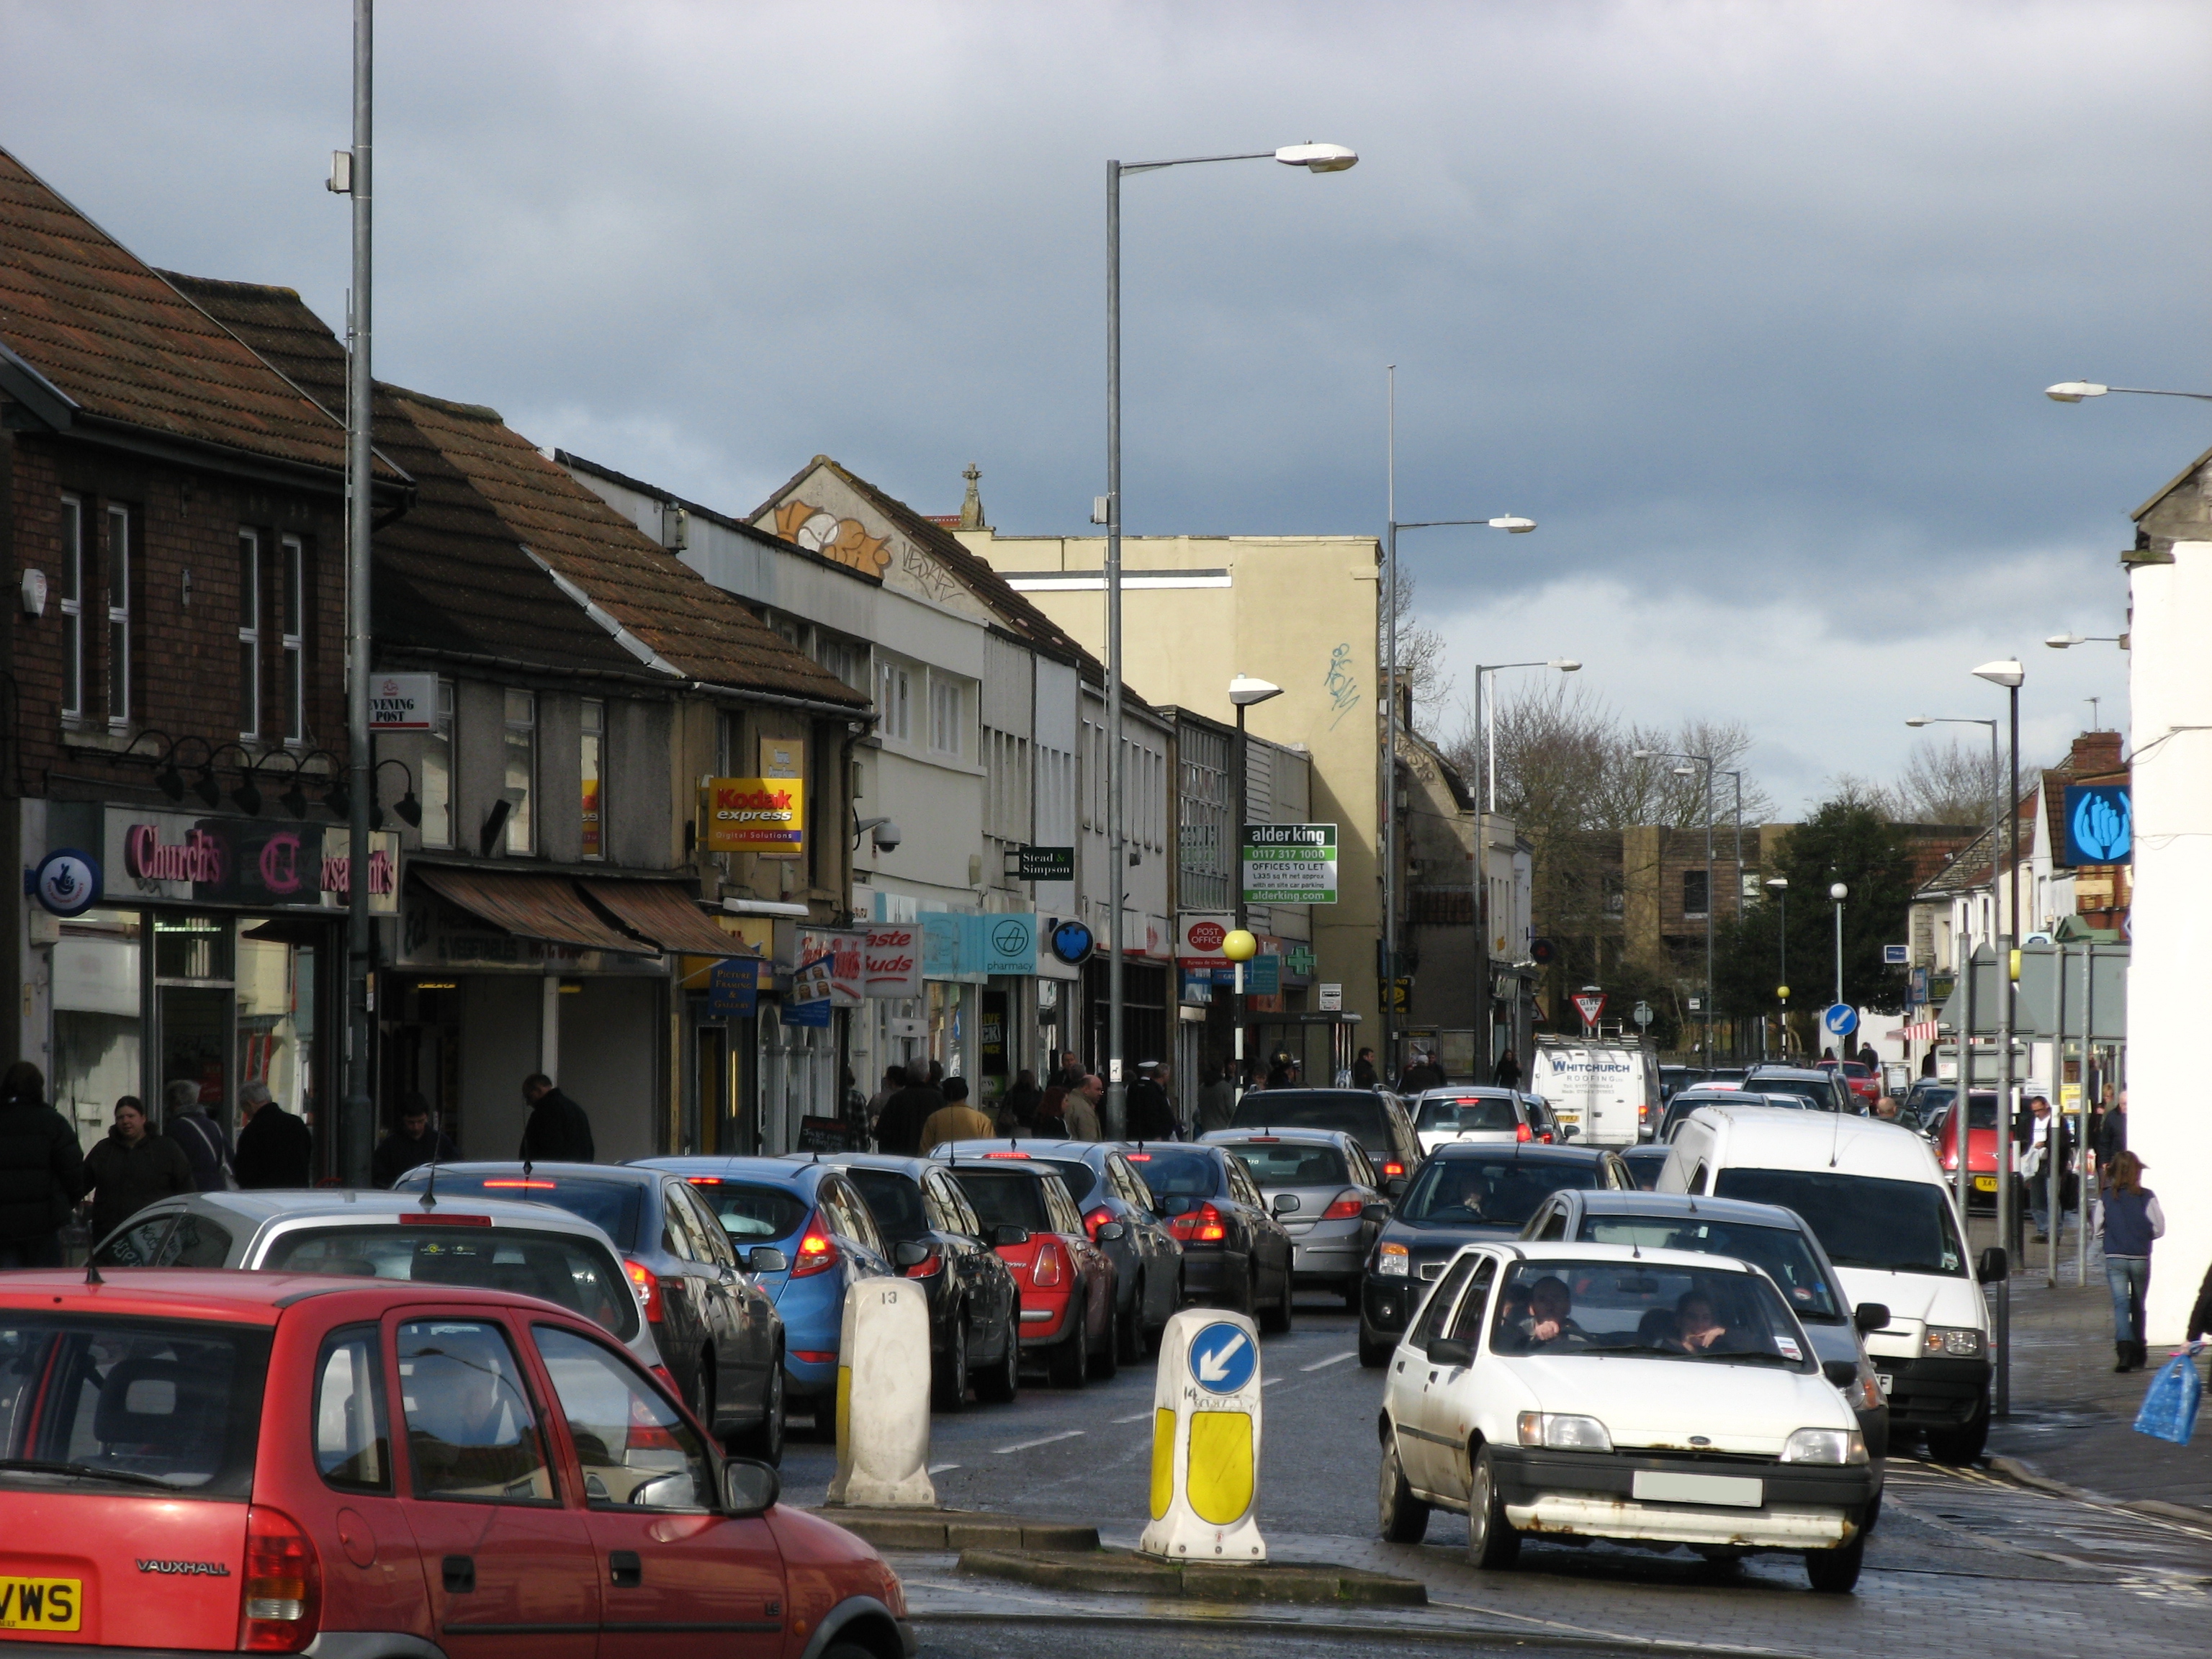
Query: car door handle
[
  {"x": 626, "y": 1571},
  {"x": 460, "y": 1575}
]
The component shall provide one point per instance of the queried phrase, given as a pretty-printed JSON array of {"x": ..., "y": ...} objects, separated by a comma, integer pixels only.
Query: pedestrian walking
[
  {"x": 1423, "y": 1072},
  {"x": 275, "y": 1149},
  {"x": 2040, "y": 1148},
  {"x": 2112, "y": 1133},
  {"x": 411, "y": 1144},
  {"x": 1051, "y": 1121},
  {"x": 898, "y": 1127},
  {"x": 1364, "y": 1074},
  {"x": 1150, "y": 1114},
  {"x": 1018, "y": 1106},
  {"x": 132, "y": 1167},
  {"x": 1217, "y": 1101},
  {"x": 1070, "y": 1074},
  {"x": 559, "y": 1130},
  {"x": 206, "y": 1148},
  {"x": 41, "y": 1170},
  {"x": 894, "y": 1080},
  {"x": 1507, "y": 1074},
  {"x": 1081, "y": 1109},
  {"x": 956, "y": 1119},
  {"x": 2133, "y": 1222}
]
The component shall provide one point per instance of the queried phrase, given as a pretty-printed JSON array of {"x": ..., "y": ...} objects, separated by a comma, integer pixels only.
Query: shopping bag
[{"x": 2169, "y": 1410}]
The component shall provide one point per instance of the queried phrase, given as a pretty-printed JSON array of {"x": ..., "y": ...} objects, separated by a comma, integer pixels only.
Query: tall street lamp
[
  {"x": 1243, "y": 692},
  {"x": 1705, "y": 761},
  {"x": 1838, "y": 892},
  {"x": 2007, "y": 672},
  {"x": 2061, "y": 642},
  {"x": 2073, "y": 392},
  {"x": 1779, "y": 886},
  {"x": 1315, "y": 158},
  {"x": 1485, "y": 710},
  {"x": 1737, "y": 775},
  {"x": 1962, "y": 952},
  {"x": 1483, "y": 1046}
]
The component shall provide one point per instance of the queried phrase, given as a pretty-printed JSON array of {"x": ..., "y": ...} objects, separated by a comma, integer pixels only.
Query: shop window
[
  {"x": 521, "y": 774},
  {"x": 72, "y": 606},
  {"x": 295, "y": 640},
  {"x": 437, "y": 780},
  {"x": 592, "y": 727},
  {"x": 249, "y": 636},
  {"x": 119, "y": 551},
  {"x": 97, "y": 1028}
]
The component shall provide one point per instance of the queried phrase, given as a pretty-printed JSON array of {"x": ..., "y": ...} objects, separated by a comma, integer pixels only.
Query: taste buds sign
[
  {"x": 891, "y": 964},
  {"x": 764, "y": 816}
]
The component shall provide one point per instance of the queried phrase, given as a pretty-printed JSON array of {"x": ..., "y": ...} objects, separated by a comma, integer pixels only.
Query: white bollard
[
  {"x": 1205, "y": 1441},
  {"x": 883, "y": 1398}
]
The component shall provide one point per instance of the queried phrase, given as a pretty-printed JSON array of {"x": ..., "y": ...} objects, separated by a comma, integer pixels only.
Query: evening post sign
[{"x": 1290, "y": 864}]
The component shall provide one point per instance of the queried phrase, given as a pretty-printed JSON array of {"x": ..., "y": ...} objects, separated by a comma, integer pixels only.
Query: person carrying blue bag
[{"x": 2169, "y": 1410}]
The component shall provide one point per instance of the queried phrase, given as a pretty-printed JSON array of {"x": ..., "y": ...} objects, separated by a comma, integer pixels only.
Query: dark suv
[{"x": 1379, "y": 1121}]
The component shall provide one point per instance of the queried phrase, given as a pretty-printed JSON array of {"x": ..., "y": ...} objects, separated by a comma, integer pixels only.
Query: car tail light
[
  {"x": 281, "y": 1603},
  {"x": 1096, "y": 1219},
  {"x": 528, "y": 1183},
  {"x": 1045, "y": 1269},
  {"x": 816, "y": 1356},
  {"x": 928, "y": 1267},
  {"x": 648, "y": 1289},
  {"x": 1345, "y": 1209},
  {"x": 440, "y": 1219},
  {"x": 1392, "y": 1169},
  {"x": 1202, "y": 1225},
  {"x": 1524, "y": 1134},
  {"x": 1023, "y": 1155},
  {"x": 1138, "y": 1157},
  {"x": 817, "y": 1251}
]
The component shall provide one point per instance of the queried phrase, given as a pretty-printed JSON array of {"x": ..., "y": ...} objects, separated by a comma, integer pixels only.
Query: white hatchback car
[{"x": 1654, "y": 1397}]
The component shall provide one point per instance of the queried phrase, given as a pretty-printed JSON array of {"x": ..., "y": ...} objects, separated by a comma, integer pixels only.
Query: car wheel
[
  {"x": 1405, "y": 1518},
  {"x": 1129, "y": 1330},
  {"x": 1067, "y": 1366},
  {"x": 1374, "y": 1351},
  {"x": 1105, "y": 1358},
  {"x": 701, "y": 1399},
  {"x": 1002, "y": 1384},
  {"x": 1836, "y": 1573},
  {"x": 1350, "y": 1293},
  {"x": 1246, "y": 1300},
  {"x": 949, "y": 1390},
  {"x": 1964, "y": 1443},
  {"x": 1491, "y": 1540},
  {"x": 1276, "y": 1320},
  {"x": 765, "y": 1442}
]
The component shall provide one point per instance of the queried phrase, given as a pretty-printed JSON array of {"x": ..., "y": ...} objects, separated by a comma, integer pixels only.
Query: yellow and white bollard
[
  {"x": 1205, "y": 1441},
  {"x": 883, "y": 1398}
]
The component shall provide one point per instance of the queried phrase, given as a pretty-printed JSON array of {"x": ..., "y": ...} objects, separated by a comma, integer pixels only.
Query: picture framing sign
[{"x": 1289, "y": 864}]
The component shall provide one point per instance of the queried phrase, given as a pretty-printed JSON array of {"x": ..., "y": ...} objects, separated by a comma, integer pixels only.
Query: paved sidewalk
[{"x": 2073, "y": 1419}]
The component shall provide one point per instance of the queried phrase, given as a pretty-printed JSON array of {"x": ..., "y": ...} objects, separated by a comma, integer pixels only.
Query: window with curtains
[
  {"x": 521, "y": 774},
  {"x": 249, "y": 636},
  {"x": 295, "y": 640},
  {"x": 72, "y": 605},
  {"x": 592, "y": 728},
  {"x": 120, "y": 550}
]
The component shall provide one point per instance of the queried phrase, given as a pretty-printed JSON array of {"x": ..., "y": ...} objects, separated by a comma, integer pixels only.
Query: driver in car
[
  {"x": 1697, "y": 1326},
  {"x": 1549, "y": 1318}
]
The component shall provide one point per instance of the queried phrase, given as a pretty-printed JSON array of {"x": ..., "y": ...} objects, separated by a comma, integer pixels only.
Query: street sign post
[
  {"x": 1839, "y": 1019},
  {"x": 1896, "y": 956},
  {"x": 1642, "y": 1015},
  {"x": 1590, "y": 1005}
]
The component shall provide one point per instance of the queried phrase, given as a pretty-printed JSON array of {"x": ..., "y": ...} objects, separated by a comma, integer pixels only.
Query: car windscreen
[
  {"x": 1781, "y": 1252},
  {"x": 1862, "y": 1221},
  {"x": 1286, "y": 1163},
  {"x": 1356, "y": 1113},
  {"x": 1645, "y": 1163},
  {"x": 1004, "y": 1198},
  {"x": 752, "y": 1214},
  {"x": 576, "y": 1274},
  {"x": 1486, "y": 1192},
  {"x": 1649, "y": 1309},
  {"x": 153, "y": 1403},
  {"x": 1468, "y": 1113},
  {"x": 1853, "y": 1069},
  {"x": 1981, "y": 1111},
  {"x": 1174, "y": 1174},
  {"x": 1820, "y": 1095},
  {"x": 895, "y": 1201},
  {"x": 612, "y": 1207}
]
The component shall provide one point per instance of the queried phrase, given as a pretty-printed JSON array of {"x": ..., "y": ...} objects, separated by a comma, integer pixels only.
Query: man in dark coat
[
  {"x": 558, "y": 1130},
  {"x": 413, "y": 1142},
  {"x": 1150, "y": 1113},
  {"x": 131, "y": 1167},
  {"x": 41, "y": 1171},
  {"x": 899, "y": 1130},
  {"x": 275, "y": 1149},
  {"x": 1364, "y": 1074},
  {"x": 206, "y": 1148},
  {"x": 1508, "y": 1073}
]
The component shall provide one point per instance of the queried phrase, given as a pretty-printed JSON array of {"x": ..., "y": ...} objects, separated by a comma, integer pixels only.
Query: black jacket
[
  {"x": 558, "y": 1133},
  {"x": 898, "y": 1127},
  {"x": 126, "y": 1179},
  {"x": 2200, "y": 1316},
  {"x": 396, "y": 1154},
  {"x": 1151, "y": 1114},
  {"x": 1507, "y": 1075},
  {"x": 2112, "y": 1135},
  {"x": 41, "y": 1170},
  {"x": 275, "y": 1149},
  {"x": 206, "y": 1149}
]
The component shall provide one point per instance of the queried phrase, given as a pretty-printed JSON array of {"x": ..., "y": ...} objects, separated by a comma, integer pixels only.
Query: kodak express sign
[{"x": 767, "y": 816}]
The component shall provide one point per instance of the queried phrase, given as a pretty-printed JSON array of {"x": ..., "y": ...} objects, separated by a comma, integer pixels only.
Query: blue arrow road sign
[
  {"x": 1222, "y": 1358},
  {"x": 1839, "y": 1019}
]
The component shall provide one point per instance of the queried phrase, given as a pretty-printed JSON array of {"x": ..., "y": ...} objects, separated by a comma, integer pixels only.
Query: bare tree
[
  {"x": 1420, "y": 657},
  {"x": 1946, "y": 783}
]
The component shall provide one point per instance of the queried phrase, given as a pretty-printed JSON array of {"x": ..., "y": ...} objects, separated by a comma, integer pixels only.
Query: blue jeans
[{"x": 2130, "y": 1278}]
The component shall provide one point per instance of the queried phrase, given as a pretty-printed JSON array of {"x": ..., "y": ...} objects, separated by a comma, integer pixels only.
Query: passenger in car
[{"x": 1697, "y": 1327}]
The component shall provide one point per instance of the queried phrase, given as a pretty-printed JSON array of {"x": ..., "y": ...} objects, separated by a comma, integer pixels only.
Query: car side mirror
[
  {"x": 749, "y": 1488},
  {"x": 766, "y": 1258},
  {"x": 1993, "y": 1267},
  {"x": 1870, "y": 1316},
  {"x": 1287, "y": 1204},
  {"x": 911, "y": 1253},
  {"x": 1446, "y": 1351},
  {"x": 1566, "y": 1132},
  {"x": 1110, "y": 1230},
  {"x": 1006, "y": 1235},
  {"x": 1396, "y": 1186},
  {"x": 1377, "y": 1213}
]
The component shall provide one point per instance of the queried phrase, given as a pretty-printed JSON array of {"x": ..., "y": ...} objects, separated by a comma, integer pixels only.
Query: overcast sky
[{"x": 1750, "y": 306}]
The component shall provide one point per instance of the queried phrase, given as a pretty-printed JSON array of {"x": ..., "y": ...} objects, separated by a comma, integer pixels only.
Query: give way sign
[{"x": 1590, "y": 1005}]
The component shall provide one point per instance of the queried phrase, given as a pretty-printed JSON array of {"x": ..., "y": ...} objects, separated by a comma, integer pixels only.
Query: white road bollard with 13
[
  {"x": 1205, "y": 1441},
  {"x": 883, "y": 1398}
]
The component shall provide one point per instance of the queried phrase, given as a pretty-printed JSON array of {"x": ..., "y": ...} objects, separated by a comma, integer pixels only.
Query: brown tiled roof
[
  {"x": 106, "y": 331},
  {"x": 284, "y": 334}
]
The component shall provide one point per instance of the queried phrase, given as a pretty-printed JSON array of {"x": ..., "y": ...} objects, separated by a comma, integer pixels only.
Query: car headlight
[
  {"x": 1952, "y": 1341},
  {"x": 1561, "y": 1432},
  {"x": 1865, "y": 1393},
  {"x": 1832, "y": 1446},
  {"x": 1393, "y": 1260}
]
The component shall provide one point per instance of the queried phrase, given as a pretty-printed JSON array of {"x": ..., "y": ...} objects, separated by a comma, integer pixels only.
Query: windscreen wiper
[{"x": 82, "y": 1470}]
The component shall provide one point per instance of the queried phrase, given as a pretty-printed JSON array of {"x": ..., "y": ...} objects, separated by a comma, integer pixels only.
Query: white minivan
[
  {"x": 1875, "y": 1198},
  {"x": 1606, "y": 1089}
]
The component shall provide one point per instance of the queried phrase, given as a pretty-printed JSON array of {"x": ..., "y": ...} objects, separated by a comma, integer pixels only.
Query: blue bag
[{"x": 2169, "y": 1410}]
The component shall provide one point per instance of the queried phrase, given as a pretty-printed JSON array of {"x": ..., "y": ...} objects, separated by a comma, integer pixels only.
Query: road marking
[
  {"x": 1269, "y": 1381},
  {"x": 1133, "y": 1417},
  {"x": 1030, "y": 1445},
  {"x": 940, "y": 1469},
  {"x": 1333, "y": 1360}
]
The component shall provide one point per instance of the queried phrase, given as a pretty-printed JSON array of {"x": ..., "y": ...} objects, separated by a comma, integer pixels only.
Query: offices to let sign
[{"x": 1290, "y": 864}]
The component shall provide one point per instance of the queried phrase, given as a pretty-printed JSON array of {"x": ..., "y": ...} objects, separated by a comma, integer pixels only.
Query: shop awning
[
  {"x": 663, "y": 912},
  {"x": 547, "y": 908}
]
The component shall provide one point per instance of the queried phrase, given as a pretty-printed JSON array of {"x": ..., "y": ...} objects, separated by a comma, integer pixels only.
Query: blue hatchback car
[{"x": 812, "y": 1213}]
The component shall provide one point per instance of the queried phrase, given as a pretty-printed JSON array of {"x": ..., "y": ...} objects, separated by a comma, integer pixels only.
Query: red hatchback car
[
  {"x": 1865, "y": 1086},
  {"x": 258, "y": 1462},
  {"x": 1981, "y": 1147},
  {"x": 1065, "y": 1282}
]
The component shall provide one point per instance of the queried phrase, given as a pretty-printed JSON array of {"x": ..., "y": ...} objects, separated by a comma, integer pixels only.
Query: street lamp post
[
  {"x": 1706, "y": 761},
  {"x": 1779, "y": 886},
  {"x": 1838, "y": 892},
  {"x": 1961, "y": 949},
  {"x": 2008, "y": 673},
  {"x": 1315, "y": 158},
  {"x": 2073, "y": 392},
  {"x": 2061, "y": 642},
  {"x": 1243, "y": 692}
]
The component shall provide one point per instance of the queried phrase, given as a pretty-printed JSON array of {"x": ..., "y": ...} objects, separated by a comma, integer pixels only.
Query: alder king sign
[{"x": 1290, "y": 864}]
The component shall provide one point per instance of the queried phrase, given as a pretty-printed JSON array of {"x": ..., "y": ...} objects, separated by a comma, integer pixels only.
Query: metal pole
[
  {"x": 1962, "y": 1100},
  {"x": 1115, "y": 853},
  {"x": 1390, "y": 737},
  {"x": 1710, "y": 907},
  {"x": 1481, "y": 1046},
  {"x": 357, "y": 1128},
  {"x": 2055, "y": 1136},
  {"x": 2009, "y": 814},
  {"x": 1781, "y": 1020},
  {"x": 1839, "y": 962},
  {"x": 2089, "y": 1046},
  {"x": 1237, "y": 1008},
  {"x": 1489, "y": 724}
]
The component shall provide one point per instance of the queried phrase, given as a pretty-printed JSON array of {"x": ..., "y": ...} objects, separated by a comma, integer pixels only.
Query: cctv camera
[{"x": 888, "y": 836}]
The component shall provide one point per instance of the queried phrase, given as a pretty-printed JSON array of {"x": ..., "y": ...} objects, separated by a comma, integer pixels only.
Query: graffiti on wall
[
  {"x": 1341, "y": 685},
  {"x": 845, "y": 540}
]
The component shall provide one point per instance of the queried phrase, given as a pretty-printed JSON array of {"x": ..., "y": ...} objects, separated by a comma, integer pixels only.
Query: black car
[
  {"x": 1234, "y": 1252},
  {"x": 1107, "y": 1188},
  {"x": 1379, "y": 1120},
  {"x": 1464, "y": 1193},
  {"x": 974, "y": 1311},
  {"x": 1644, "y": 1162},
  {"x": 719, "y": 1332}
]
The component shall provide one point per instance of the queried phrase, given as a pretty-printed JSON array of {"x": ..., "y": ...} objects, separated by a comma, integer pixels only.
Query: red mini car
[
  {"x": 1981, "y": 1147},
  {"x": 1067, "y": 1282},
  {"x": 1861, "y": 1080},
  {"x": 255, "y": 1463}
]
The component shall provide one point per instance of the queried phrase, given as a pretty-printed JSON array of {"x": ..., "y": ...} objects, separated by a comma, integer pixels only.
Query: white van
[
  {"x": 1605, "y": 1090},
  {"x": 1875, "y": 1198}
]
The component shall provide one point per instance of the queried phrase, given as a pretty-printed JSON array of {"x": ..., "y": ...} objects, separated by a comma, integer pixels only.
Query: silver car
[
  {"x": 1478, "y": 1112},
  {"x": 1323, "y": 1188},
  {"x": 533, "y": 1249}
]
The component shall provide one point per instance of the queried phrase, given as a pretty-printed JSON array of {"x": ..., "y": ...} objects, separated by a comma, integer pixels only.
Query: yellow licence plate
[
  {"x": 40, "y": 1603},
  {"x": 1985, "y": 1183}
]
